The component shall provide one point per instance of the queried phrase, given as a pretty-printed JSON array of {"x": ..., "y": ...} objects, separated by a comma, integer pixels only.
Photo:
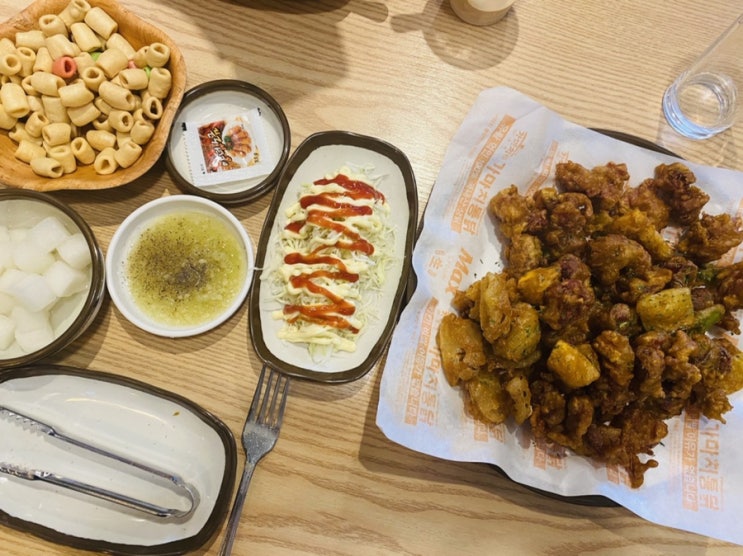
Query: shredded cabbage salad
[{"x": 335, "y": 246}]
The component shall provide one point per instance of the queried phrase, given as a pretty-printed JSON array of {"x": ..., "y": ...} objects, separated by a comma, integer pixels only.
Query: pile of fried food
[{"x": 600, "y": 328}]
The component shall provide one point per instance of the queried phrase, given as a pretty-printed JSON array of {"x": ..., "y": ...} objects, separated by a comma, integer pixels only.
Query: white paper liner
[{"x": 507, "y": 139}]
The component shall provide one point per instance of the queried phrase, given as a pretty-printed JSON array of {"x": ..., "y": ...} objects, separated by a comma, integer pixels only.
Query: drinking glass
[
  {"x": 481, "y": 12},
  {"x": 703, "y": 100}
]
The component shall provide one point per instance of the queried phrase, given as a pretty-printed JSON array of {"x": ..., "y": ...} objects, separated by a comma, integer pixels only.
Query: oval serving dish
[
  {"x": 123, "y": 416},
  {"x": 319, "y": 155},
  {"x": 139, "y": 33}
]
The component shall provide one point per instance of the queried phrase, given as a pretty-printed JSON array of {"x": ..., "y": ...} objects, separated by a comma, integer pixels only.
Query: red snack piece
[{"x": 65, "y": 67}]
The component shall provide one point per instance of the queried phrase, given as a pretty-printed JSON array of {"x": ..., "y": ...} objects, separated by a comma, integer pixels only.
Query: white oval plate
[
  {"x": 317, "y": 156},
  {"x": 127, "y": 417}
]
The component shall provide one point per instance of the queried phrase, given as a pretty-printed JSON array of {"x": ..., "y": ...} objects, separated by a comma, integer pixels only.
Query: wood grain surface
[{"x": 406, "y": 72}]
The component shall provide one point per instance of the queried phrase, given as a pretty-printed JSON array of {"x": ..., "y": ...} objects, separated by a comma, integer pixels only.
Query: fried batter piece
[
  {"x": 486, "y": 399},
  {"x": 569, "y": 300},
  {"x": 596, "y": 331},
  {"x": 710, "y": 237},
  {"x": 604, "y": 185},
  {"x": 729, "y": 286},
  {"x": 494, "y": 306},
  {"x": 462, "y": 348},
  {"x": 675, "y": 185},
  {"x": 524, "y": 253},
  {"x": 620, "y": 441},
  {"x": 636, "y": 225},
  {"x": 611, "y": 393},
  {"x": 566, "y": 219},
  {"x": 613, "y": 255},
  {"x": 516, "y": 213},
  {"x": 645, "y": 198},
  {"x": 523, "y": 335},
  {"x": 494, "y": 397}
]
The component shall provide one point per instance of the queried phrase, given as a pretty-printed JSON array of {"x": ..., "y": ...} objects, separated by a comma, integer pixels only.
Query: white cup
[
  {"x": 704, "y": 99},
  {"x": 481, "y": 12}
]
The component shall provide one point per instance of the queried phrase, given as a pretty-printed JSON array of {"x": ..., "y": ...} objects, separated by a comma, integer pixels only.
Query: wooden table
[{"x": 406, "y": 72}]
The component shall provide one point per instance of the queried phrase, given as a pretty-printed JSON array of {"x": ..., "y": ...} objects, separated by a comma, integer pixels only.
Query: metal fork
[{"x": 258, "y": 438}]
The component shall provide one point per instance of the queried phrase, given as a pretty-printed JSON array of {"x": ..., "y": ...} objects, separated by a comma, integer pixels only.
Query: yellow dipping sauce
[{"x": 186, "y": 268}]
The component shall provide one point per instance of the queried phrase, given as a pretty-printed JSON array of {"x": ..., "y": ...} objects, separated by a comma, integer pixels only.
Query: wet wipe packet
[{"x": 227, "y": 149}]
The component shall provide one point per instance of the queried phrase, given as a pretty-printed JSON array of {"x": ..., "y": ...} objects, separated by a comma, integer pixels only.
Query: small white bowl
[{"x": 125, "y": 239}]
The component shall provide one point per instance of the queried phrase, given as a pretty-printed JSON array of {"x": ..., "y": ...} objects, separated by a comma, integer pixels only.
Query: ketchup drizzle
[{"x": 332, "y": 313}]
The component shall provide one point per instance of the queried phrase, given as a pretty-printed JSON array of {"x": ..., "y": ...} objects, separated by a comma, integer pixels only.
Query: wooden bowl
[{"x": 15, "y": 173}]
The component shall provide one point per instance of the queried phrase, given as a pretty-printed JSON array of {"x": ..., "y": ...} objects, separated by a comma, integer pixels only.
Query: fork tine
[
  {"x": 285, "y": 394},
  {"x": 258, "y": 400},
  {"x": 263, "y": 408},
  {"x": 278, "y": 416},
  {"x": 277, "y": 383},
  {"x": 267, "y": 409}
]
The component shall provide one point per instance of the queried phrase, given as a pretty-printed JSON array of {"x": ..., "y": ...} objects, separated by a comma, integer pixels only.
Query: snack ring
[{"x": 65, "y": 67}]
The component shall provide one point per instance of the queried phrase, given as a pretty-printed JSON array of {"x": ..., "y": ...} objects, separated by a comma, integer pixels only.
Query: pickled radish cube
[
  {"x": 6, "y": 303},
  {"x": 4, "y": 234},
  {"x": 64, "y": 311},
  {"x": 26, "y": 320},
  {"x": 32, "y": 329},
  {"x": 6, "y": 254},
  {"x": 33, "y": 292},
  {"x": 74, "y": 251},
  {"x": 34, "y": 340},
  {"x": 9, "y": 277},
  {"x": 65, "y": 280},
  {"x": 17, "y": 234},
  {"x": 7, "y": 331},
  {"x": 48, "y": 233},
  {"x": 30, "y": 257}
]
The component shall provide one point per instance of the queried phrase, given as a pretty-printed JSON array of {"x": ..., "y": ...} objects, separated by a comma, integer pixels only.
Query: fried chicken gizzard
[{"x": 598, "y": 330}]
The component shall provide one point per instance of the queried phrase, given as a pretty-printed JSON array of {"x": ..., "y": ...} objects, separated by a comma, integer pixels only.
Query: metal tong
[{"x": 184, "y": 489}]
